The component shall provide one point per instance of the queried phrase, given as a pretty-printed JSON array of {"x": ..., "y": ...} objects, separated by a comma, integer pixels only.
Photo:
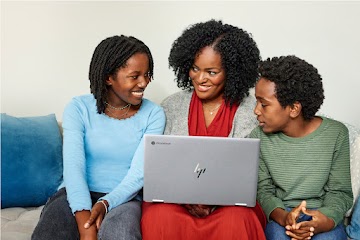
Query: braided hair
[
  {"x": 295, "y": 80},
  {"x": 239, "y": 53},
  {"x": 111, "y": 54}
]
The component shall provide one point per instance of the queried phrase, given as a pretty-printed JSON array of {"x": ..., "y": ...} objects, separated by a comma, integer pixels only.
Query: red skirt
[{"x": 163, "y": 221}]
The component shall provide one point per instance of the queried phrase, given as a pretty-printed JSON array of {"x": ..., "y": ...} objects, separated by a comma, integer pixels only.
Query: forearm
[
  {"x": 266, "y": 193},
  {"x": 279, "y": 215},
  {"x": 125, "y": 191},
  {"x": 133, "y": 182},
  {"x": 81, "y": 218}
]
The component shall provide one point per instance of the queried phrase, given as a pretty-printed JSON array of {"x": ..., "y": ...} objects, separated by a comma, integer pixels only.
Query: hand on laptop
[{"x": 199, "y": 210}]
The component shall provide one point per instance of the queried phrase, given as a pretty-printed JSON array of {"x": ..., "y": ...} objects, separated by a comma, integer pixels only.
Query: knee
[
  {"x": 274, "y": 231},
  {"x": 122, "y": 222},
  {"x": 120, "y": 228},
  {"x": 129, "y": 214},
  {"x": 337, "y": 233}
]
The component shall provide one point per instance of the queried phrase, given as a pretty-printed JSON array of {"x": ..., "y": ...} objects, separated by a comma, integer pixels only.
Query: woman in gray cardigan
[{"x": 216, "y": 65}]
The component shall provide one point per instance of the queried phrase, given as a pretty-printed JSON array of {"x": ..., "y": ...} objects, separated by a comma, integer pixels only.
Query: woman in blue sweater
[{"x": 103, "y": 148}]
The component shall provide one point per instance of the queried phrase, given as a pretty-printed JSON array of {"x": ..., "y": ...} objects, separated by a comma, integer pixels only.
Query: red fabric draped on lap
[{"x": 162, "y": 221}]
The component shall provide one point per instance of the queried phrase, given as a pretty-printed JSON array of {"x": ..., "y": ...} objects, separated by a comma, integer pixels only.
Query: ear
[
  {"x": 109, "y": 81},
  {"x": 295, "y": 109}
]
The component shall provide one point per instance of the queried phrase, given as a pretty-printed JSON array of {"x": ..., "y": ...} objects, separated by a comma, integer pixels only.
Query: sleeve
[
  {"x": 168, "y": 126},
  {"x": 339, "y": 198},
  {"x": 74, "y": 158},
  {"x": 134, "y": 179},
  {"x": 266, "y": 188}
]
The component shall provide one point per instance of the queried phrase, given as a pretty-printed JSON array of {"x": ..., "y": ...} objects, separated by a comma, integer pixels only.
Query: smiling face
[
  {"x": 208, "y": 76},
  {"x": 271, "y": 115},
  {"x": 130, "y": 81}
]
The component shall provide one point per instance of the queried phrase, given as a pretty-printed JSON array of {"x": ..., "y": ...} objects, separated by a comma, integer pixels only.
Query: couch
[
  {"x": 19, "y": 217},
  {"x": 31, "y": 171}
]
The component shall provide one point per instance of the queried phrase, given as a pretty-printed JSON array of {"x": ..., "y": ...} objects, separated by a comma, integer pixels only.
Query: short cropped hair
[{"x": 295, "y": 81}]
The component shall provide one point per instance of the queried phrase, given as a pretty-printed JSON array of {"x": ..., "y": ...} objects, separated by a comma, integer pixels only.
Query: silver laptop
[{"x": 201, "y": 170}]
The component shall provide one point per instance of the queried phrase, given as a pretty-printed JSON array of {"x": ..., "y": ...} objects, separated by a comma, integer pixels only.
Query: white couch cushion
[{"x": 19, "y": 223}]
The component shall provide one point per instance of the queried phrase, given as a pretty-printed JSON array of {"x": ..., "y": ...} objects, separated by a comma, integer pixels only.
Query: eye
[
  {"x": 134, "y": 77},
  {"x": 195, "y": 69},
  {"x": 262, "y": 104},
  {"x": 147, "y": 75},
  {"x": 211, "y": 73}
]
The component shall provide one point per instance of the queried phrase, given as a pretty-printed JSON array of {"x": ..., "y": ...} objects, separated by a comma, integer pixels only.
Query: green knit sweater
[{"x": 315, "y": 168}]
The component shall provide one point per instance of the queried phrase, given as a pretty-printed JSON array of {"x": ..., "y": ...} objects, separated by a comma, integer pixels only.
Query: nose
[
  {"x": 202, "y": 77},
  {"x": 256, "y": 110},
  {"x": 143, "y": 82}
]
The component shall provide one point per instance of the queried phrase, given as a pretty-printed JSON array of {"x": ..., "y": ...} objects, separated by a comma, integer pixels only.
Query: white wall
[{"x": 46, "y": 46}]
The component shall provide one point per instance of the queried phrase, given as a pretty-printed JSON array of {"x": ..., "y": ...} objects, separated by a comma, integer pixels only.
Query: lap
[
  {"x": 57, "y": 222},
  {"x": 122, "y": 222},
  {"x": 173, "y": 221},
  {"x": 275, "y": 231}
]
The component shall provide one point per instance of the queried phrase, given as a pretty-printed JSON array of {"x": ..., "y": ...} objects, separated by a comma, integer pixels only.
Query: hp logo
[{"x": 199, "y": 170}]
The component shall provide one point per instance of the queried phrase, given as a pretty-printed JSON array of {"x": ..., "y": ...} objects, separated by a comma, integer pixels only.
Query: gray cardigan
[{"x": 176, "y": 108}]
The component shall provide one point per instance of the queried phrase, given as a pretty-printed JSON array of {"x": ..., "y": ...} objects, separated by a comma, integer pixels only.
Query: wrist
[
  {"x": 105, "y": 204},
  {"x": 279, "y": 215}
]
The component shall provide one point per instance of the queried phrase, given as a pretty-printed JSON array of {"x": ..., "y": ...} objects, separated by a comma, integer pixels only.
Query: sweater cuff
[
  {"x": 337, "y": 217},
  {"x": 269, "y": 205}
]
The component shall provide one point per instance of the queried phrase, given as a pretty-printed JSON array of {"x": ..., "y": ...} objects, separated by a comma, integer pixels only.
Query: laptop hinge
[
  {"x": 240, "y": 204},
  {"x": 157, "y": 200}
]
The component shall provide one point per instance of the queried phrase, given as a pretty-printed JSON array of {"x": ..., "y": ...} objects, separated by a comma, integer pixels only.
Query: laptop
[{"x": 201, "y": 170}]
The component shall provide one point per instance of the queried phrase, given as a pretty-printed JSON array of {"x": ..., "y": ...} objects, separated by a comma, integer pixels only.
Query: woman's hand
[
  {"x": 89, "y": 233},
  {"x": 98, "y": 212},
  {"x": 199, "y": 210}
]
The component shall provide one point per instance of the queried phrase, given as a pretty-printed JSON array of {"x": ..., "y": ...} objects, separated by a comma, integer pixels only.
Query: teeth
[{"x": 138, "y": 93}]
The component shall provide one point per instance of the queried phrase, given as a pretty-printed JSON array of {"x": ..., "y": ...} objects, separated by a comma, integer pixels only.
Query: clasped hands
[
  {"x": 306, "y": 229},
  {"x": 199, "y": 210}
]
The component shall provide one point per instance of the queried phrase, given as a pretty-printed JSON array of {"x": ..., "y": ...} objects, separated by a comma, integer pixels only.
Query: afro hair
[
  {"x": 295, "y": 81},
  {"x": 239, "y": 53}
]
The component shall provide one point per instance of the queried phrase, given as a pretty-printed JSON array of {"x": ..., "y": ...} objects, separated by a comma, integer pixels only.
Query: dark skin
[
  {"x": 289, "y": 120},
  {"x": 86, "y": 219},
  {"x": 85, "y": 233},
  {"x": 199, "y": 210},
  {"x": 208, "y": 79},
  {"x": 303, "y": 230},
  {"x": 125, "y": 87}
]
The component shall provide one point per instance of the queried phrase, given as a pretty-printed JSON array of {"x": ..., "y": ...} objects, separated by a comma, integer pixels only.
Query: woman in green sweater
[{"x": 304, "y": 176}]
